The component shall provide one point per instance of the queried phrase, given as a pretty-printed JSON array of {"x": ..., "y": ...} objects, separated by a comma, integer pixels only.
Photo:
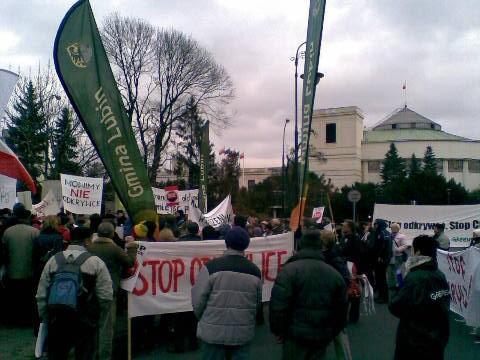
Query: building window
[
  {"x": 474, "y": 166},
  {"x": 455, "y": 165},
  {"x": 394, "y": 126},
  {"x": 439, "y": 165},
  {"x": 432, "y": 126},
  {"x": 374, "y": 166},
  {"x": 251, "y": 184},
  {"x": 331, "y": 133},
  {"x": 413, "y": 125}
]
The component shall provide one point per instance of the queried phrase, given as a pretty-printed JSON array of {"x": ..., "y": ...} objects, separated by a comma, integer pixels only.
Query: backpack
[{"x": 66, "y": 286}]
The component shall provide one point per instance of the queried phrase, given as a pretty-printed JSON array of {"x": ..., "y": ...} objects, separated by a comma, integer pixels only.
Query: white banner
[
  {"x": 25, "y": 197},
  {"x": 221, "y": 215},
  {"x": 128, "y": 283},
  {"x": 8, "y": 192},
  {"x": 55, "y": 186},
  {"x": 169, "y": 270},
  {"x": 459, "y": 220},
  {"x": 48, "y": 206},
  {"x": 82, "y": 195},
  {"x": 8, "y": 80},
  {"x": 168, "y": 202},
  {"x": 462, "y": 270}
]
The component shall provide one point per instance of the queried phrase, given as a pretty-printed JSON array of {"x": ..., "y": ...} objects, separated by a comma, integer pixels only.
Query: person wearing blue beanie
[
  {"x": 225, "y": 298},
  {"x": 237, "y": 238}
]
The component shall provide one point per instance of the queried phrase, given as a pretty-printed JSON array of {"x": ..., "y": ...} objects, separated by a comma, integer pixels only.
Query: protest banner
[
  {"x": 8, "y": 188},
  {"x": 25, "y": 197},
  {"x": 221, "y": 215},
  {"x": 169, "y": 269},
  {"x": 128, "y": 283},
  {"x": 170, "y": 200},
  {"x": 462, "y": 270},
  {"x": 81, "y": 195},
  {"x": 55, "y": 186},
  {"x": 414, "y": 220},
  {"x": 48, "y": 206}
]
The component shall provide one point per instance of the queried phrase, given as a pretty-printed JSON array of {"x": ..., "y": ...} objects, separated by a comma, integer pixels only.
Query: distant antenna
[{"x": 405, "y": 93}]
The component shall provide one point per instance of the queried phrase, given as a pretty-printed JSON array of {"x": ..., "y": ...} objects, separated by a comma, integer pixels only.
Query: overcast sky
[{"x": 369, "y": 48}]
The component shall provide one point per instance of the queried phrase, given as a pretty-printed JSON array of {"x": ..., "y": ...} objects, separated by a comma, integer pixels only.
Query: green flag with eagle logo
[{"x": 84, "y": 71}]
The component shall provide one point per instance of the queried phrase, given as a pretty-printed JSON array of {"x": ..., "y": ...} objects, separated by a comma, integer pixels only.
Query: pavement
[{"x": 372, "y": 338}]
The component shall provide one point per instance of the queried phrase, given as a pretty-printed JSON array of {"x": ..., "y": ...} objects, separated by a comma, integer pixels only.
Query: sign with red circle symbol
[{"x": 172, "y": 195}]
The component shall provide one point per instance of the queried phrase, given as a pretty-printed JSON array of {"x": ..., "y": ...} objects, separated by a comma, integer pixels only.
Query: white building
[{"x": 344, "y": 151}]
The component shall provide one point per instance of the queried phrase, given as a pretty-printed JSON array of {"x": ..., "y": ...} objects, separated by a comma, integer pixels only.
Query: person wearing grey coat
[{"x": 225, "y": 299}]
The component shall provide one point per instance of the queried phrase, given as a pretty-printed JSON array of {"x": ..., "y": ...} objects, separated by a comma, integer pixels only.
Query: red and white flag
[
  {"x": 12, "y": 167},
  {"x": 404, "y": 85}
]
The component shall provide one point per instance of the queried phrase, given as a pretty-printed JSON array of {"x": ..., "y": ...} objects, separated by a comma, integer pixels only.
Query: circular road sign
[{"x": 354, "y": 196}]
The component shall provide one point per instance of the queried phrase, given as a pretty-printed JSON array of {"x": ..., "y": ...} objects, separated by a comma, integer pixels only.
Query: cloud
[{"x": 370, "y": 47}]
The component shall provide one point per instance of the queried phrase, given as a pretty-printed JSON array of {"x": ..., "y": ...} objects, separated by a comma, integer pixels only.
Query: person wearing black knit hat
[{"x": 225, "y": 298}]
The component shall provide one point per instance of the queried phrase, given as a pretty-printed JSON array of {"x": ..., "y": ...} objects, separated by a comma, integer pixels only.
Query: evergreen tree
[
  {"x": 429, "y": 161},
  {"x": 226, "y": 178},
  {"x": 393, "y": 166},
  {"x": 26, "y": 130},
  {"x": 64, "y": 144},
  {"x": 415, "y": 167}
]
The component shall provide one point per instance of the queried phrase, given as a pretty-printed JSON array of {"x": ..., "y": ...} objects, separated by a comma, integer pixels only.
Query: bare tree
[
  {"x": 157, "y": 72},
  {"x": 130, "y": 43},
  {"x": 185, "y": 70}
]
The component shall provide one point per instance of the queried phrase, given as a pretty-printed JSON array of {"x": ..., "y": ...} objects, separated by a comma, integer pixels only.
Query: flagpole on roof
[{"x": 405, "y": 92}]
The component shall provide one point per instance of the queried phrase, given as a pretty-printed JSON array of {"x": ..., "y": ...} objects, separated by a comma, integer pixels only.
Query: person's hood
[
  {"x": 382, "y": 224},
  {"x": 415, "y": 262}
]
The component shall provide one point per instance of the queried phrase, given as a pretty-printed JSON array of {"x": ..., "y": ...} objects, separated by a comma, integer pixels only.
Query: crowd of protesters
[{"x": 317, "y": 292}]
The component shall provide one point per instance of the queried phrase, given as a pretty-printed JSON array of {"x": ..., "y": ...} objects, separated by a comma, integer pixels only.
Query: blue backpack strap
[
  {"x": 60, "y": 259},
  {"x": 82, "y": 258}
]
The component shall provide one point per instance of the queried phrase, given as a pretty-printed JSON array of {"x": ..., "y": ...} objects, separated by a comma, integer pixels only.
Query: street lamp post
[
  {"x": 283, "y": 168},
  {"x": 296, "y": 170}
]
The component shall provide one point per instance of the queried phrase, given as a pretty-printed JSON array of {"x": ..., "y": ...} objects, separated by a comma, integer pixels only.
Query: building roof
[
  {"x": 406, "y": 118},
  {"x": 408, "y": 134}
]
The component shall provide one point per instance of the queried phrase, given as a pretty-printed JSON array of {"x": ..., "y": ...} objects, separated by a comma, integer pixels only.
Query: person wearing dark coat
[
  {"x": 192, "y": 232},
  {"x": 308, "y": 304},
  {"x": 422, "y": 305},
  {"x": 383, "y": 251}
]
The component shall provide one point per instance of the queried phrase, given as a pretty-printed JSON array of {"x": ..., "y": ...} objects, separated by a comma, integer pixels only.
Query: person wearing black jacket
[
  {"x": 383, "y": 251},
  {"x": 308, "y": 304},
  {"x": 422, "y": 306}
]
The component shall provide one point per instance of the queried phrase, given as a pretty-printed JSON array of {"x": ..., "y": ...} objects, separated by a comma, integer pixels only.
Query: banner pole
[{"x": 129, "y": 330}]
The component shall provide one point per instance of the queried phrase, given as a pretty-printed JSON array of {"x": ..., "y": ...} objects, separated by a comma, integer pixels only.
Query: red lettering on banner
[
  {"x": 143, "y": 290},
  {"x": 459, "y": 295},
  {"x": 266, "y": 275},
  {"x": 279, "y": 264},
  {"x": 153, "y": 264},
  {"x": 456, "y": 264},
  {"x": 195, "y": 262},
  {"x": 179, "y": 270},
  {"x": 164, "y": 288}
]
